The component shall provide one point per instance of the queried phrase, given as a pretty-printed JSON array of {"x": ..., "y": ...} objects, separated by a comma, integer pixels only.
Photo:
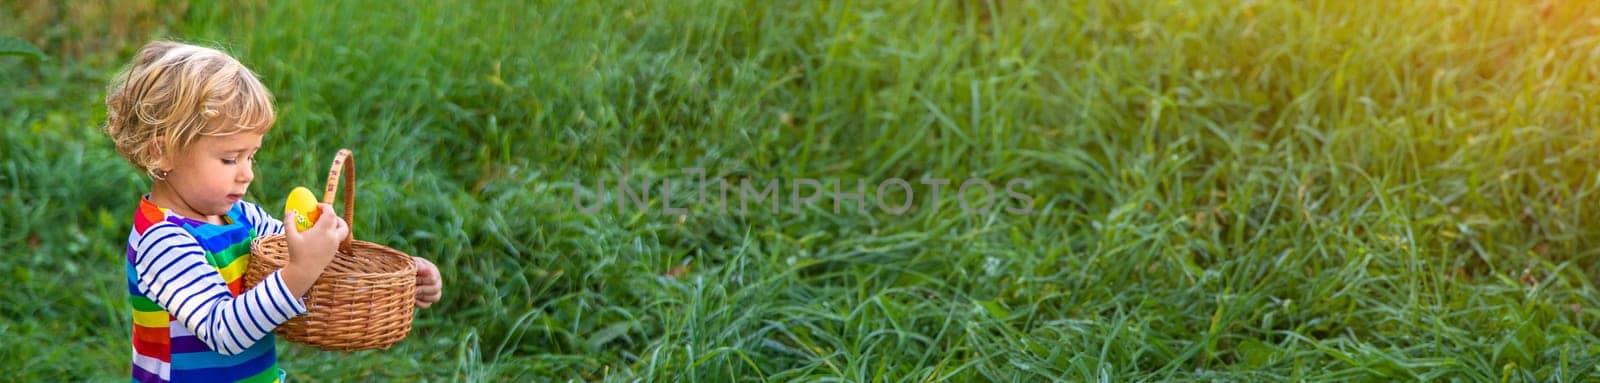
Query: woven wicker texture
[{"x": 365, "y": 298}]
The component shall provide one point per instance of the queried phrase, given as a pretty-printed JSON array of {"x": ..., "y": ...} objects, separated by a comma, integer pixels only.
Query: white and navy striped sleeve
[
  {"x": 261, "y": 221},
  {"x": 171, "y": 269}
]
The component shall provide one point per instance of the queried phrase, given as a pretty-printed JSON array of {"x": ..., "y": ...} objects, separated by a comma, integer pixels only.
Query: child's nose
[{"x": 246, "y": 174}]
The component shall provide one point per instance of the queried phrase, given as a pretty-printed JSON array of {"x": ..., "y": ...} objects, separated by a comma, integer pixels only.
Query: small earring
[{"x": 160, "y": 175}]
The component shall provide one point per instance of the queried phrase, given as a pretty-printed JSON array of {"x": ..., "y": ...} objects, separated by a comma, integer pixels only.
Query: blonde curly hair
[{"x": 173, "y": 93}]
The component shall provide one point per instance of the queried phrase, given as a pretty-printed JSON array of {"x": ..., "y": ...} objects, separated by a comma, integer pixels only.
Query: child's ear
[{"x": 158, "y": 157}]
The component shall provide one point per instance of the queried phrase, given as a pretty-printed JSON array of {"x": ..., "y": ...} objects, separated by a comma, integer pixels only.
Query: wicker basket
[{"x": 363, "y": 300}]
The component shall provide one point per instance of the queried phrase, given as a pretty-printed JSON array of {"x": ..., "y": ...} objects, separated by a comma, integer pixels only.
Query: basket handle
[{"x": 343, "y": 163}]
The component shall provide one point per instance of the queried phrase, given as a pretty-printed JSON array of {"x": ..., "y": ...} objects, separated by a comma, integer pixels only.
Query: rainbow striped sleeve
[{"x": 169, "y": 266}]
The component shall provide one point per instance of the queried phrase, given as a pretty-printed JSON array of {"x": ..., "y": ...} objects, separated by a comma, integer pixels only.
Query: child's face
[{"x": 215, "y": 172}]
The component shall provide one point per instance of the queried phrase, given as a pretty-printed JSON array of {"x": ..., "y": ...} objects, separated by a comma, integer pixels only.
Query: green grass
[{"x": 1235, "y": 191}]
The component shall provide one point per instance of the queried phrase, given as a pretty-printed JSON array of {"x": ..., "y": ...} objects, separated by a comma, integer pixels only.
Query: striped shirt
[{"x": 192, "y": 321}]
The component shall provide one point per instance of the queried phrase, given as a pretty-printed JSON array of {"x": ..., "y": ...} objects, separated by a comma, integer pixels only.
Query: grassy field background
[{"x": 1225, "y": 190}]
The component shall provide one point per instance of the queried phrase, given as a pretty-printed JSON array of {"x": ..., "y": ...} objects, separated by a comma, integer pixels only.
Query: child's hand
[
  {"x": 430, "y": 286},
  {"x": 312, "y": 250}
]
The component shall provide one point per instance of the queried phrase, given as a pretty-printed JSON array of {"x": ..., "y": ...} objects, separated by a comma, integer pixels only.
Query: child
[{"x": 193, "y": 118}]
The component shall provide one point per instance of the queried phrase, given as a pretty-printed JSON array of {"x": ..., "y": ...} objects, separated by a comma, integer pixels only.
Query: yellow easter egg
[{"x": 305, "y": 205}]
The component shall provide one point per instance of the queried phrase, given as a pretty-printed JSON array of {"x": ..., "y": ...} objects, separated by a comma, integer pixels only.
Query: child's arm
[
  {"x": 171, "y": 269},
  {"x": 263, "y": 222}
]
